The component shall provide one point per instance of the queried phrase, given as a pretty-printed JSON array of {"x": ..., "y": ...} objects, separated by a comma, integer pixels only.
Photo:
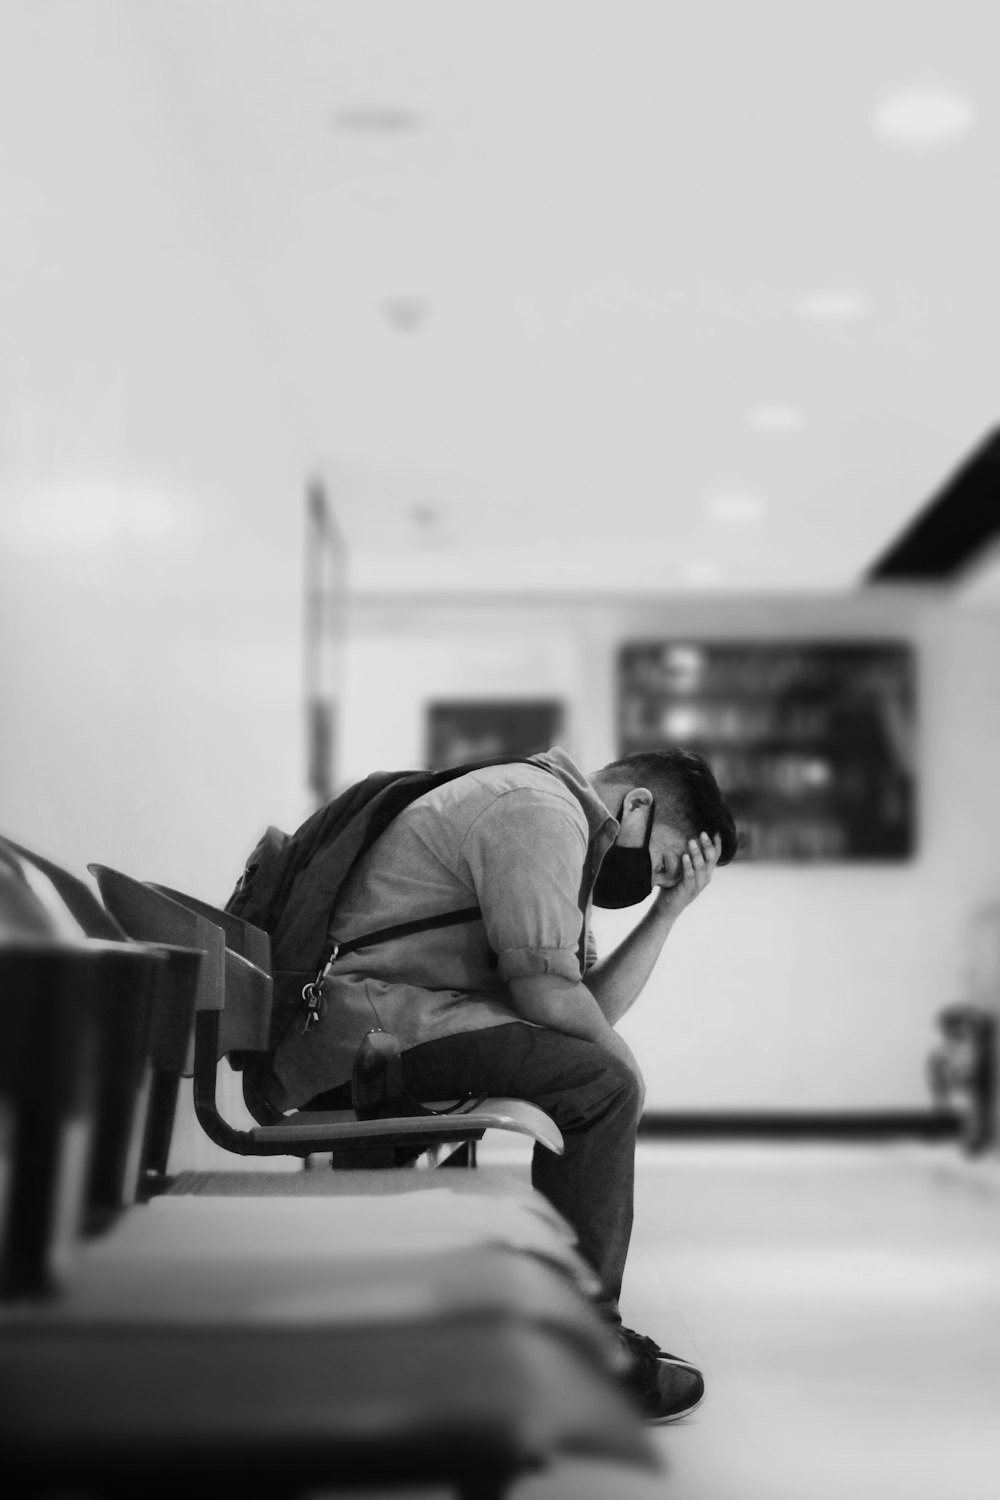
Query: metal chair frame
[{"x": 232, "y": 1016}]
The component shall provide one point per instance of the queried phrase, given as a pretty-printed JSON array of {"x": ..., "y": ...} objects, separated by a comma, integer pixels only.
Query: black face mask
[{"x": 626, "y": 875}]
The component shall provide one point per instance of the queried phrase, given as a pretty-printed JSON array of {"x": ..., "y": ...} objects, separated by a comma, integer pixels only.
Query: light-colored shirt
[{"x": 523, "y": 842}]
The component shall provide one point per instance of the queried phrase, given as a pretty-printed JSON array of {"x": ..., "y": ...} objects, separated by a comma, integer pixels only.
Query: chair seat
[
  {"x": 323, "y": 1268},
  {"x": 242, "y": 1234},
  {"x": 465, "y": 1124}
]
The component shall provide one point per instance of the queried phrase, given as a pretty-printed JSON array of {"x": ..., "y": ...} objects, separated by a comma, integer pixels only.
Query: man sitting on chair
[{"x": 517, "y": 1003}]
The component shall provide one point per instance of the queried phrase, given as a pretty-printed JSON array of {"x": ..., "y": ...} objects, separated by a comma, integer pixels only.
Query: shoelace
[
  {"x": 639, "y": 1342},
  {"x": 645, "y": 1354}
]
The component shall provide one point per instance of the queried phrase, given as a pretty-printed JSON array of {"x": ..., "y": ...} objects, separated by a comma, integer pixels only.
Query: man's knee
[
  {"x": 570, "y": 1077},
  {"x": 627, "y": 1082}
]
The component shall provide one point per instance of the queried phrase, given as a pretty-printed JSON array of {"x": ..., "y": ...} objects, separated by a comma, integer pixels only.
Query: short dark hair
[{"x": 685, "y": 790}]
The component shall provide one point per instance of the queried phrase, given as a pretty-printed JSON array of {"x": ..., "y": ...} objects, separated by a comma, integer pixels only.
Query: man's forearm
[{"x": 616, "y": 982}]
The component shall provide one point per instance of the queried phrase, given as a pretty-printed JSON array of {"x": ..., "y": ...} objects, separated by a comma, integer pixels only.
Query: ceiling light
[
  {"x": 832, "y": 306},
  {"x": 375, "y": 119},
  {"x": 923, "y": 114},
  {"x": 776, "y": 418},
  {"x": 430, "y": 524},
  {"x": 405, "y": 313},
  {"x": 736, "y": 505}
]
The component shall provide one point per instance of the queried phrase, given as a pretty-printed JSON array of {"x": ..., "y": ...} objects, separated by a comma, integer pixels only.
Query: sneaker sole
[{"x": 677, "y": 1416}]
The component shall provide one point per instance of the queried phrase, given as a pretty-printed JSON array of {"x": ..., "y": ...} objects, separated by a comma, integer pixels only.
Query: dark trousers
[{"x": 593, "y": 1098}]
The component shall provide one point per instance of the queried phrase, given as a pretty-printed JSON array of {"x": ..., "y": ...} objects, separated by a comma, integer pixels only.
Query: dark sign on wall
[
  {"x": 473, "y": 730},
  {"x": 812, "y": 742}
]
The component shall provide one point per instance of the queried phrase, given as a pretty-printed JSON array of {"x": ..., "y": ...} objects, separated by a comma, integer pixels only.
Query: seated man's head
[{"x": 661, "y": 798}]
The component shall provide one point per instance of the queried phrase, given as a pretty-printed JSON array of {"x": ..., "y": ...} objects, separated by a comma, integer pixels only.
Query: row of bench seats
[{"x": 269, "y": 1330}]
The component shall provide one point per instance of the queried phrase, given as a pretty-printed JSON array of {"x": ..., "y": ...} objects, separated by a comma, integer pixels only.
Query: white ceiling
[{"x": 521, "y": 326}]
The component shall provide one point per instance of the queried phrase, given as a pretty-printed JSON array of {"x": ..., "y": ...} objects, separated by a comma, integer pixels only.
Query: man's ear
[
  {"x": 636, "y": 812},
  {"x": 638, "y": 797}
]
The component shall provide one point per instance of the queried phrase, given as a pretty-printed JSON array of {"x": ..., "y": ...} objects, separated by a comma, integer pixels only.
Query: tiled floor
[
  {"x": 845, "y": 1307},
  {"x": 844, "y": 1304}
]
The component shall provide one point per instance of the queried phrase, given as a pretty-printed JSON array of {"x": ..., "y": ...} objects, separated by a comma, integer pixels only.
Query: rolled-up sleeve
[{"x": 525, "y": 855}]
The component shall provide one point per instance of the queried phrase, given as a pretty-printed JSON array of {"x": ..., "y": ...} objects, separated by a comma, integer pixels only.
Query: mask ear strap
[
  {"x": 649, "y": 821},
  {"x": 649, "y": 825}
]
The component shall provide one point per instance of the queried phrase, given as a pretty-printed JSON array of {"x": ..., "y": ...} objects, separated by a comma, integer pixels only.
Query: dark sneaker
[{"x": 664, "y": 1386}]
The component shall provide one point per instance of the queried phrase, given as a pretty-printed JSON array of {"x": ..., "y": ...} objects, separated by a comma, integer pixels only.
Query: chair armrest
[{"x": 245, "y": 1023}]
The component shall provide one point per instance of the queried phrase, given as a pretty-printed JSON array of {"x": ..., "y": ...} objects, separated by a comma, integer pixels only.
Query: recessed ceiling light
[
  {"x": 430, "y": 524},
  {"x": 774, "y": 418},
  {"x": 924, "y": 113},
  {"x": 425, "y": 513},
  {"x": 375, "y": 119},
  {"x": 405, "y": 313},
  {"x": 736, "y": 505},
  {"x": 834, "y": 305}
]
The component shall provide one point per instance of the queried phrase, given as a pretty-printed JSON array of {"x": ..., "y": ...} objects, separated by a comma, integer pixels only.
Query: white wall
[
  {"x": 150, "y": 532},
  {"x": 786, "y": 985}
]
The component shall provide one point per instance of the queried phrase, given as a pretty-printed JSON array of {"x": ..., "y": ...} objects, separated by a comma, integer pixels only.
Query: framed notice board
[
  {"x": 812, "y": 742},
  {"x": 477, "y": 730}
]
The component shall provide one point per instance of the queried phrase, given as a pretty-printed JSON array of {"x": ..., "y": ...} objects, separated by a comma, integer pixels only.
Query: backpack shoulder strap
[
  {"x": 312, "y": 882},
  {"x": 404, "y": 929}
]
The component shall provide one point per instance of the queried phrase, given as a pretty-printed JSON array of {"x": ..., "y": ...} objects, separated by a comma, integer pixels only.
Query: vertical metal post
[{"x": 324, "y": 585}]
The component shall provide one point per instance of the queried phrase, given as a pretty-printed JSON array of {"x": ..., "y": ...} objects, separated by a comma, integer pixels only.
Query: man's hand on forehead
[{"x": 698, "y": 862}]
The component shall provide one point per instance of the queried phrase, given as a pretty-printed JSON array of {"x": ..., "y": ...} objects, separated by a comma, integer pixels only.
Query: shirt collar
[{"x": 602, "y": 826}]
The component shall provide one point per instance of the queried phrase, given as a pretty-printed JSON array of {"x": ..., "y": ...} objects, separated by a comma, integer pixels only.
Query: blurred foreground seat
[
  {"x": 271, "y": 1345},
  {"x": 283, "y": 1408},
  {"x": 63, "y": 907},
  {"x": 77, "y": 1044},
  {"x": 322, "y": 1342}
]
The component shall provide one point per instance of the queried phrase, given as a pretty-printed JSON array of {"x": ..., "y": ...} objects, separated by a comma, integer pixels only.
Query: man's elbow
[{"x": 537, "y": 996}]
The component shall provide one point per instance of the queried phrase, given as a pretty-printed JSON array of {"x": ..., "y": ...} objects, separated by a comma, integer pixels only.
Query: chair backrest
[
  {"x": 22, "y": 913},
  {"x": 177, "y": 976},
  {"x": 94, "y": 919},
  {"x": 74, "y": 1023},
  {"x": 150, "y": 916},
  {"x": 45, "y": 1023},
  {"x": 230, "y": 986},
  {"x": 250, "y": 942},
  {"x": 242, "y": 1037},
  {"x": 128, "y": 997},
  {"x": 146, "y": 1020},
  {"x": 234, "y": 1003}
]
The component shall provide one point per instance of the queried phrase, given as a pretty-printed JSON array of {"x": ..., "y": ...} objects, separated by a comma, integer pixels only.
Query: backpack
[{"x": 290, "y": 884}]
